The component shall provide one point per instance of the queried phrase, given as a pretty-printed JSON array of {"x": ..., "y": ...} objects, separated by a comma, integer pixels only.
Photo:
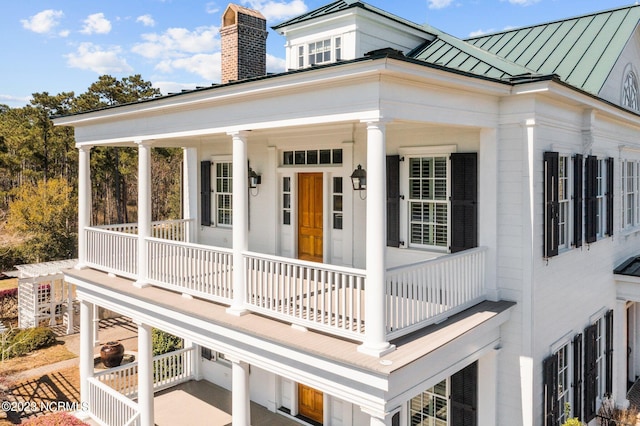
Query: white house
[{"x": 467, "y": 280}]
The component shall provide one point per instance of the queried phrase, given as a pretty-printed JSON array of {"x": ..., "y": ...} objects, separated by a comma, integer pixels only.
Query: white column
[
  {"x": 145, "y": 375},
  {"x": 240, "y": 219},
  {"x": 84, "y": 202},
  {"x": 379, "y": 418},
  {"x": 620, "y": 346},
  {"x": 96, "y": 325},
  {"x": 488, "y": 211},
  {"x": 240, "y": 395},
  {"x": 375, "y": 342},
  {"x": 86, "y": 349},
  {"x": 488, "y": 388},
  {"x": 195, "y": 358},
  {"x": 70, "y": 311},
  {"x": 190, "y": 191},
  {"x": 144, "y": 210}
]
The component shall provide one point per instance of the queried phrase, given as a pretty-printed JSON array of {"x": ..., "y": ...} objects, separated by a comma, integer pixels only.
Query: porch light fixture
[
  {"x": 254, "y": 179},
  {"x": 359, "y": 179}
]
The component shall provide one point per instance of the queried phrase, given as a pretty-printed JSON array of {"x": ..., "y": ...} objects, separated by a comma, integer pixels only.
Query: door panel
[
  {"x": 310, "y": 216},
  {"x": 310, "y": 403}
]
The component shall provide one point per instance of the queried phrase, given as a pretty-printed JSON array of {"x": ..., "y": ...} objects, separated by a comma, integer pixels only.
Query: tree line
[{"x": 39, "y": 171}]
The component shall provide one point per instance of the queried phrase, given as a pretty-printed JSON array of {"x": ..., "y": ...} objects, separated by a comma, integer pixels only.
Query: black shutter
[
  {"x": 591, "y": 192},
  {"x": 464, "y": 201},
  {"x": 577, "y": 200},
  {"x": 550, "y": 390},
  {"x": 609, "y": 196},
  {"x": 205, "y": 193},
  {"x": 590, "y": 373},
  {"x": 551, "y": 230},
  {"x": 608, "y": 350},
  {"x": 577, "y": 376},
  {"x": 393, "y": 200},
  {"x": 464, "y": 396}
]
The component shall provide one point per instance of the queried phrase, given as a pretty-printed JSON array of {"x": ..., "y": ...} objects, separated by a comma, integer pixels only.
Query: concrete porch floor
[{"x": 203, "y": 403}]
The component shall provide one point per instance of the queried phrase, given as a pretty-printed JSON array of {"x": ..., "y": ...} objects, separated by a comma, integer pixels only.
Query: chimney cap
[{"x": 235, "y": 9}]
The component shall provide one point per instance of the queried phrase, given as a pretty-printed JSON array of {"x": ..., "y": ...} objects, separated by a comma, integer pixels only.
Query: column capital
[
  {"x": 376, "y": 122},
  {"x": 84, "y": 148},
  {"x": 243, "y": 134},
  {"x": 143, "y": 142}
]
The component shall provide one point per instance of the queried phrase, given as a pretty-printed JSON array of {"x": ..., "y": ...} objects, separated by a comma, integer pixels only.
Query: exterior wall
[{"x": 628, "y": 60}]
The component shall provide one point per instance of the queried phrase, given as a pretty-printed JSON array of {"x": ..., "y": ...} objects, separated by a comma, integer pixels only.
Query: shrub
[
  {"x": 9, "y": 292},
  {"x": 55, "y": 419},
  {"x": 164, "y": 342},
  {"x": 21, "y": 342},
  {"x": 573, "y": 422}
]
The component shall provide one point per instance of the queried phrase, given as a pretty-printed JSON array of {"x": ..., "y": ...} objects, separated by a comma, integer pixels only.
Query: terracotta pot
[{"x": 111, "y": 354}]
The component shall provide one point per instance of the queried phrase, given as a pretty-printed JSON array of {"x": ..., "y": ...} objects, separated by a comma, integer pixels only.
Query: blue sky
[{"x": 65, "y": 45}]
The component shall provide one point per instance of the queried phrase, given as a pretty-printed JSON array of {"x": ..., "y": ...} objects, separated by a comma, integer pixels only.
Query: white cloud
[
  {"x": 89, "y": 56},
  {"x": 64, "y": 33},
  {"x": 277, "y": 10},
  {"x": 43, "y": 22},
  {"x": 146, "y": 20},
  {"x": 14, "y": 100},
  {"x": 523, "y": 2},
  {"x": 206, "y": 66},
  {"x": 275, "y": 64},
  {"x": 439, "y": 4},
  {"x": 478, "y": 33},
  {"x": 96, "y": 24},
  {"x": 177, "y": 42},
  {"x": 211, "y": 8}
]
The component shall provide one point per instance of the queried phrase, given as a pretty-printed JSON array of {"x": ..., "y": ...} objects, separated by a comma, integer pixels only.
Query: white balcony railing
[
  {"x": 428, "y": 292},
  {"x": 169, "y": 369},
  {"x": 318, "y": 296},
  {"x": 198, "y": 270},
  {"x": 323, "y": 297},
  {"x": 107, "y": 407},
  {"x": 174, "y": 230},
  {"x": 112, "y": 251}
]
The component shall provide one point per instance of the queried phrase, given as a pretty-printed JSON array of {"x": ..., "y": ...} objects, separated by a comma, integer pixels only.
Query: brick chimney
[{"x": 244, "y": 43}]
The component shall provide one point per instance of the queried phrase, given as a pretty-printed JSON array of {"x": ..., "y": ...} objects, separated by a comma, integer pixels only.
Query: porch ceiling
[{"x": 318, "y": 359}]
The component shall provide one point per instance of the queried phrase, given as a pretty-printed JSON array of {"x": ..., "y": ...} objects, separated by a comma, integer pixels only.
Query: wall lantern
[
  {"x": 359, "y": 179},
  {"x": 254, "y": 179}
]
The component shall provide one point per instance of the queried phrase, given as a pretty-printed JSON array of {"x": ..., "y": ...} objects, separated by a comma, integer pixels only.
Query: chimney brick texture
[{"x": 243, "y": 38}]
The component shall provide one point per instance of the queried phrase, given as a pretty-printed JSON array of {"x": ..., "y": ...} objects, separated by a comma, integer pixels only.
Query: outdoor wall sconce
[
  {"x": 254, "y": 179},
  {"x": 359, "y": 179}
]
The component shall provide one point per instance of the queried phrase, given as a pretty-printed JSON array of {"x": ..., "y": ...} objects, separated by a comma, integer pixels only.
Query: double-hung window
[
  {"x": 564, "y": 206},
  {"x": 319, "y": 52},
  {"x": 630, "y": 193},
  {"x": 216, "y": 182},
  {"x": 428, "y": 201},
  {"x": 223, "y": 192}
]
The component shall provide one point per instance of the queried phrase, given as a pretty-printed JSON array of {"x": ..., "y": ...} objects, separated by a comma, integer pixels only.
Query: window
[
  {"x": 564, "y": 385},
  {"x": 630, "y": 91},
  {"x": 630, "y": 197},
  {"x": 430, "y": 408},
  {"x": 320, "y": 52},
  {"x": 428, "y": 202},
  {"x": 286, "y": 200},
  {"x": 598, "y": 363},
  {"x": 600, "y": 199},
  {"x": 563, "y": 203},
  {"x": 557, "y": 386},
  {"x": 223, "y": 193},
  {"x": 337, "y": 203},
  {"x": 312, "y": 157}
]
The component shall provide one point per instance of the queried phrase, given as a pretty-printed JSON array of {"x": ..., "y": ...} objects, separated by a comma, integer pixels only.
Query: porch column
[
  {"x": 380, "y": 418},
  {"x": 488, "y": 388},
  {"x": 84, "y": 202},
  {"x": 70, "y": 310},
  {"x": 240, "y": 395},
  {"x": 240, "y": 218},
  {"x": 144, "y": 209},
  {"x": 96, "y": 326},
  {"x": 190, "y": 191},
  {"x": 488, "y": 214},
  {"x": 86, "y": 348},
  {"x": 620, "y": 352},
  {"x": 145, "y": 375},
  {"x": 375, "y": 342}
]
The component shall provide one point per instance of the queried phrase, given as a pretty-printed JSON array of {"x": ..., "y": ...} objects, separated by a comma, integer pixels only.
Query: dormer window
[
  {"x": 320, "y": 52},
  {"x": 630, "y": 91}
]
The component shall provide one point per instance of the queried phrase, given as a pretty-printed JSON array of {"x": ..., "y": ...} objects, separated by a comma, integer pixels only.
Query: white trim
[{"x": 427, "y": 150}]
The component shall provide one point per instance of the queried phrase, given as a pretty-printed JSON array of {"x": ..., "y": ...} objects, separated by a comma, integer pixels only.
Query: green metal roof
[{"x": 581, "y": 51}]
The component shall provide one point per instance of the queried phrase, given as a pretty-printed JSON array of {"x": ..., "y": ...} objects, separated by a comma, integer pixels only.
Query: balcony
[{"x": 316, "y": 296}]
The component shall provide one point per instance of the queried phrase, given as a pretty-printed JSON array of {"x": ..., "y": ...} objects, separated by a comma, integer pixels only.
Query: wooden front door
[
  {"x": 310, "y": 403},
  {"x": 310, "y": 216}
]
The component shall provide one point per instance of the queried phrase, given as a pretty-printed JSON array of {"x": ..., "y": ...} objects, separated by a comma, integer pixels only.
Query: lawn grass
[
  {"x": 35, "y": 359},
  {"x": 10, "y": 283}
]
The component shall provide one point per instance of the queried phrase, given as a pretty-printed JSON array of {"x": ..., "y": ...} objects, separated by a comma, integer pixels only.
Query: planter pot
[{"x": 111, "y": 354}]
